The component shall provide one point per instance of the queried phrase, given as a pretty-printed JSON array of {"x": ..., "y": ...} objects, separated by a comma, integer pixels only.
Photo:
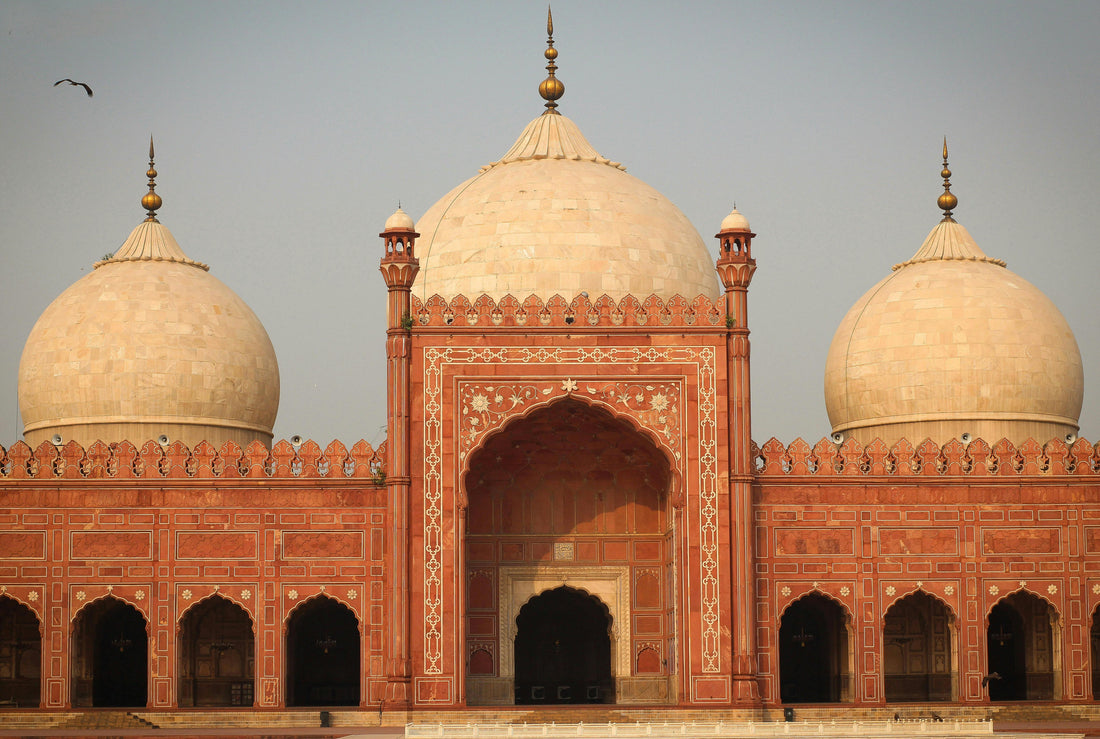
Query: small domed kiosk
[{"x": 150, "y": 345}]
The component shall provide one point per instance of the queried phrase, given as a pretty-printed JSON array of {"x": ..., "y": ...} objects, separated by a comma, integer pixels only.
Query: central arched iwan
[{"x": 566, "y": 488}]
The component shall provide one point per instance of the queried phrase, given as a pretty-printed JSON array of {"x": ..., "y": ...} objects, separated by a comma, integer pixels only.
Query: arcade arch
[
  {"x": 570, "y": 495},
  {"x": 110, "y": 656},
  {"x": 216, "y": 655},
  {"x": 814, "y": 652},
  {"x": 1024, "y": 649},
  {"x": 323, "y": 654},
  {"x": 918, "y": 650},
  {"x": 20, "y": 655}
]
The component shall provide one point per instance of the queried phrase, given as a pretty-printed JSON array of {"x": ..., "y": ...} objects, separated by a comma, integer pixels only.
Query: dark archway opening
[
  {"x": 1095, "y": 640},
  {"x": 917, "y": 650},
  {"x": 1020, "y": 645},
  {"x": 323, "y": 664},
  {"x": 813, "y": 652},
  {"x": 111, "y": 656},
  {"x": 20, "y": 655},
  {"x": 216, "y": 653},
  {"x": 563, "y": 649}
]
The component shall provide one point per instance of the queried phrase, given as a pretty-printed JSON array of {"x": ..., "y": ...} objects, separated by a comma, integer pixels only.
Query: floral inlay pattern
[{"x": 655, "y": 405}]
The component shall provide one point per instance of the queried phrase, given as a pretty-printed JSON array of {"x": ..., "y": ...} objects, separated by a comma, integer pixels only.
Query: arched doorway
[
  {"x": 813, "y": 652},
  {"x": 571, "y": 494},
  {"x": 323, "y": 664},
  {"x": 1021, "y": 648},
  {"x": 20, "y": 655},
  {"x": 216, "y": 655},
  {"x": 917, "y": 650},
  {"x": 563, "y": 649},
  {"x": 110, "y": 656}
]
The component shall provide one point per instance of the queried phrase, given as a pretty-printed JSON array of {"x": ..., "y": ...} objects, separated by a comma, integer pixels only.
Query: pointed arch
[
  {"x": 815, "y": 655},
  {"x": 497, "y": 424},
  {"x": 351, "y": 604},
  {"x": 216, "y": 654},
  {"x": 323, "y": 654},
  {"x": 83, "y": 602},
  {"x": 110, "y": 655},
  {"x": 567, "y": 447},
  {"x": 1023, "y": 648},
  {"x": 215, "y": 593},
  {"x": 919, "y": 649},
  {"x": 20, "y": 654}
]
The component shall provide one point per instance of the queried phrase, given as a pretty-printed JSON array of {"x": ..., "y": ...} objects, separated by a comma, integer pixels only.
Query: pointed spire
[
  {"x": 947, "y": 201},
  {"x": 151, "y": 201},
  {"x": 551, "y": 88}
]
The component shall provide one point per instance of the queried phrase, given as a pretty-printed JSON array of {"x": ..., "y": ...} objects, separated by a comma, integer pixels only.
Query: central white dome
[{"x": 553, "y": 217}]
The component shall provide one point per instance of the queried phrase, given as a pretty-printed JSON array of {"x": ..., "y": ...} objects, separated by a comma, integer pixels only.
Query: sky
[{"x": 286, "y": 133}]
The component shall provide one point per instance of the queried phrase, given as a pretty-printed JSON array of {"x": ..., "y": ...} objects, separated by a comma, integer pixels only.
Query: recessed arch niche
[
  {"x": 216, "y": 655},
  {"x": 323, "y": 647},
  {"x": 1023, "y": 644},
  {"x": 110, "y": 655},
  {"x": 815, "y": 651},
  {"x": 570, "y": 495},
  {"x": 918, "y": 649}
]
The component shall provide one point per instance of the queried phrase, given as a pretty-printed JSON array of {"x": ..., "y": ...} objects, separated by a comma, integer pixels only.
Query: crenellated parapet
[
  {"x": 976, "y": 459},
  {"x": 558, "y": 312},
  {"x": 175, "y": 461}
]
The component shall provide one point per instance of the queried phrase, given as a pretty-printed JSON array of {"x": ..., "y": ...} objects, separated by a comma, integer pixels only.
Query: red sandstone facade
[{"x": 586, "y": 455}]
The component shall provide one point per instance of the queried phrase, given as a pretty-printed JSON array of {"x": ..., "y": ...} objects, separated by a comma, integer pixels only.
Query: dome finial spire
[
  {"x": 947, "y": 201},
  {"x": 151, "y": 201},
  {"x": 551, "y": 88}
]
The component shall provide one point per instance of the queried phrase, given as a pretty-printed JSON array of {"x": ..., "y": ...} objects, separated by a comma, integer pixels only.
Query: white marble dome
[{"x": 554, "y": 217}]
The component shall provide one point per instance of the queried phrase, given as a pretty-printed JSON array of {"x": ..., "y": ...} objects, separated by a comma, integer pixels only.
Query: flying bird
[
  {"x": 81, "y": 84},
  {"x": 991, "y": 676}
]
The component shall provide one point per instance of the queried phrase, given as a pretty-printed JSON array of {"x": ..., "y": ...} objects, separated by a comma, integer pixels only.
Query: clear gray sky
[{"x": 287, "y": 132}]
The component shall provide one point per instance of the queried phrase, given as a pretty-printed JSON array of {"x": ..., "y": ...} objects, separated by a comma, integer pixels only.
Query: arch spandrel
[
  {"x": 30, "y": 596},
  {"x": 197, "y": 594},
  {"x": 945, "y": 593},
  {"x": 996, "y": 594},
  {"x": 839, "y": 593},
  {"x": 654, "y": 409},
  {"x": 347, "y": 595},
  {"x": 1092, "y": 594},
  {"x": 132, "y": 595}
]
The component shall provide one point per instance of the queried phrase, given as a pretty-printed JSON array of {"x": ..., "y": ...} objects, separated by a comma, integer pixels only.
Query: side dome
[
  {"x": 554, "y": 217},
  {"x": 148, "y": 344},
  {"x": 953, "y": 345}
]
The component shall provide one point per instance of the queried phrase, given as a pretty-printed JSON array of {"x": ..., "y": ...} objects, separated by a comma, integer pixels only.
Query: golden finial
[
  {"x": 947, "y": 200},
  {"x": 151, "y": 201},
  {"x": 551, "y": 88}
]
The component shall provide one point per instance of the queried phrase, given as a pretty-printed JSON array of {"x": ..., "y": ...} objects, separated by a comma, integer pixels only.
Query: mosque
[{"x": 569, "y": 506}]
